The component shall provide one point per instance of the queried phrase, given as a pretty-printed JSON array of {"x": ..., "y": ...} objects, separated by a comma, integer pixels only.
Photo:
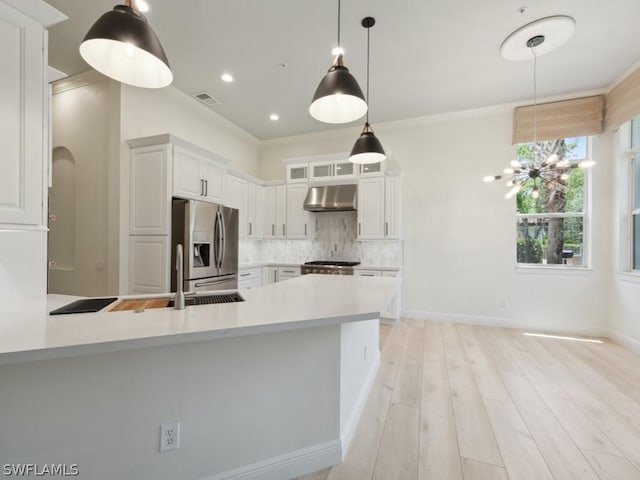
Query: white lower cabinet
[
  {"x": 392, "y": 312},
  {"x": 269, "y": 275},
  {"x": 149, "y": 264},
  {"x": 286, "y": 273},
  {"x": 250, "y": 277}
]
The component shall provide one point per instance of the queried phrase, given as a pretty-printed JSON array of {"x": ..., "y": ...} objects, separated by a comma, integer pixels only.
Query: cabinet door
[
  {"x": 251, "y": 210},
  {"x": 393, "y": 193},
  {"x": 372, "y": 169},
  {"x": 281, "y": 211},
  {"x": 213, "y": 176},
  {"x": 297, "y": 217},
  {"x": 22, "y": 124},
  {"x": 345, "y": 169},
  {"x": 297, "y": 173},
  {"x": 259, "y": 211},
  {"x": 187, "y": 181},
  {"x": 393, "y": 309},
  {"x": 270, "y": 221},
  {"x": 321, "y": 171},
  {"x": 149, "y": 264},
  {"x": 269, "y": 275},
  {"x": 371, "y": 208},
  {"x": 237, "y": 198},
  {"x": 149, "y": 191}
]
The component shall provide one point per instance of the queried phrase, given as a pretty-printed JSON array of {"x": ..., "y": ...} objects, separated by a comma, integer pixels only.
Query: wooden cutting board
[{"x": 137, "y": 304}]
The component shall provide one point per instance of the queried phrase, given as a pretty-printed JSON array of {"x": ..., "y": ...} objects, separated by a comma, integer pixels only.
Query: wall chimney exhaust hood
[{"x": 331, "y": 198}]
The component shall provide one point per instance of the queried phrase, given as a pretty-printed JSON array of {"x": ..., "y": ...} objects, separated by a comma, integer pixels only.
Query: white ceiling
[{"x": 427, "y": 56}]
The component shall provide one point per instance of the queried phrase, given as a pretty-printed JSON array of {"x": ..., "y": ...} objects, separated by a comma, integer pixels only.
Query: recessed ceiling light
[
  {"x": 142, "y": 6},
  {"x": 226, "y": 77},
  {"x": 274, "y": 117}
]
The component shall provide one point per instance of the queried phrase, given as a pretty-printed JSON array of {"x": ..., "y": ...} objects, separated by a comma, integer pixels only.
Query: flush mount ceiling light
[
  {"x": 555, "y": 31},
  {"x": 546, "y": 168},
  {"x": 367, "y": 148},
  {"x": 122, "y": 45},
  {"x": 338, "y": 98}
]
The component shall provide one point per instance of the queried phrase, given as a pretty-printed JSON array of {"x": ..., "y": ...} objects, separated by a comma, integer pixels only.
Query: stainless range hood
[{"x": 331, "y": 198}]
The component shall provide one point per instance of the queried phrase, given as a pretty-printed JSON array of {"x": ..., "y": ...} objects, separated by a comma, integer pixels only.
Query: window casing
[
  {"x": 634, "y": 190},
  {"x": 549, "y": 234}
]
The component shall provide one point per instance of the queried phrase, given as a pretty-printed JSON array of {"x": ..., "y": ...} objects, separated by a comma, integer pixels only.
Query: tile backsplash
[{"x": 335, "y": 239}]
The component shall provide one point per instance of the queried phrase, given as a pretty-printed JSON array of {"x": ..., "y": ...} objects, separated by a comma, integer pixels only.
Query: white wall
[{"x": 459, "y": 248}]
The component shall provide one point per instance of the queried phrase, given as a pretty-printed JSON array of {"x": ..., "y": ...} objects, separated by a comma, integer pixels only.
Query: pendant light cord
[
  {"x": 368, "y": 43},
  {"x": 339, "y": 45}
]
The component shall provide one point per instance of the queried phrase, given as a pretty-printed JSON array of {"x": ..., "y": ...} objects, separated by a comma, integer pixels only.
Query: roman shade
[
  {"x": 562, "y": 119},
  {"x": 623, "y": 101}
]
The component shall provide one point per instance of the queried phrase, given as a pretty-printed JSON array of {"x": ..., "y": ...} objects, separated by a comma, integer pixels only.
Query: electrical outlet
[{"x": 169, "y": 436}]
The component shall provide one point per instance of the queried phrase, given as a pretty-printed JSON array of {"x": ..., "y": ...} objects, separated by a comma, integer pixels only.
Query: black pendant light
[
  {"x": 338, "y": 98},
  {"x": 122, "y": 45},
  {"x": 367, "y": 148}
]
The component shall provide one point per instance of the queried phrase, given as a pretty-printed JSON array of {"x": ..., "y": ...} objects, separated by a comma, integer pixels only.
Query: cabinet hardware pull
[
  {"x": 249, "y": 228},
  {"x": 245, "y": 274},
  {"x": 367, "y": 275},
  {"x": 359, "y": 228},
  {"x": 201, "y": 187},
  {"x": 283, "y": 229},
  {"x": 288, "y": 271},
  {"x": 386, "y": 228},
  {"x": 206, "y": 188},
  {"x": 305, "y": 229},
  {"x": 273, "y": 230},
  {"x": 275, "y": 273}
]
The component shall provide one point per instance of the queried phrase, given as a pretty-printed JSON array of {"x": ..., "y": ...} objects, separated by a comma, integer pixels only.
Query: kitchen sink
[{"x": 127, "y": 304}]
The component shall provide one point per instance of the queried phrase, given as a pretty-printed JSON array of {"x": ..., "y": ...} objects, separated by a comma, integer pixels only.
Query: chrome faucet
[{"x": 178, "y": 303}]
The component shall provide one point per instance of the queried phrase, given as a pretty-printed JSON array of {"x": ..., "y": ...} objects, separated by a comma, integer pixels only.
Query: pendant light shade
[
  {"x": 338, "y": 98},
  {"x": 122, "y": 45},
  {"x": 367, "y": 148}
]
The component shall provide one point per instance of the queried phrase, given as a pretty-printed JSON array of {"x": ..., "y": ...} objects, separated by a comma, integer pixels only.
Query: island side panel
[
  {"x": 242, "y": 402},
  {"x": 359, "y": 362}
]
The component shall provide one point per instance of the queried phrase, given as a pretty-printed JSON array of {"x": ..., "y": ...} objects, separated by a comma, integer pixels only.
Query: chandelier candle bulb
[
  {"x": 586, "y": 163},
  {"x": 491, "y": 178},
  {"x": 515, "y": 163}
]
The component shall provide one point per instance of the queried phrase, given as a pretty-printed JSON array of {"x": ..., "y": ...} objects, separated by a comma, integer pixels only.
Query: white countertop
[
  {"x": 28, "y": 332},
  {"x": 247, "y": 266}
]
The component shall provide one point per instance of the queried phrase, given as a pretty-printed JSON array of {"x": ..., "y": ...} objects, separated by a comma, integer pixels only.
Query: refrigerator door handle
[
  {"x": 216, "y": 243},
  {"x": 223, "y": 239},
  {"x": 214, "y": 282}
]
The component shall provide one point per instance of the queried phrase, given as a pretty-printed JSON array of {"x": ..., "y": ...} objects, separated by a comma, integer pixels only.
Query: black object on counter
[{"x": 87, "y": 305}]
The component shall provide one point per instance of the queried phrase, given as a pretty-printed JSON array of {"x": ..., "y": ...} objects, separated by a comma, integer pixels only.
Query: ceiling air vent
[{"x": 207, "y": 99}]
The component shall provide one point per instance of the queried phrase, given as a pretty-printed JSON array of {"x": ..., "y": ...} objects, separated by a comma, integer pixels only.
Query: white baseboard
[
  {"x": 626, "y": 341},
  {"x": 346, "y": 435},
  {"x": 504, "y": 322},
  {"x": 289, "y": 465}
]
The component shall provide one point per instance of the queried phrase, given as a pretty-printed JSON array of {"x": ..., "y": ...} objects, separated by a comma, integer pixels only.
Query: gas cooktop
[{"x": 330, "y": 263}]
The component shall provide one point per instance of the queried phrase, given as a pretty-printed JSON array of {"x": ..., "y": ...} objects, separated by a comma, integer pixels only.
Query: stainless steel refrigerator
[{"x": 209, "y": 236}]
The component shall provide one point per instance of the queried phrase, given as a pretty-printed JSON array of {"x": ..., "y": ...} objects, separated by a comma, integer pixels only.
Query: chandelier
[{"x": 545, "y": 165}]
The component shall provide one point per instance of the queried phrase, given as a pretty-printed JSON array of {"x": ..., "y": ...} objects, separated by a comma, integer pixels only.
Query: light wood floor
[{"x": 459, "y": 402}]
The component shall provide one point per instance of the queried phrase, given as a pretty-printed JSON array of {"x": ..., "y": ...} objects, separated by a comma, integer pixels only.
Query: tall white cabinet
[{"x": 24, "y": 127}]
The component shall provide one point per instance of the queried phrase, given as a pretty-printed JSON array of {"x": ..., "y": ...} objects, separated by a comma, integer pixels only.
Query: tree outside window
[{"x": 551, "y": 220}]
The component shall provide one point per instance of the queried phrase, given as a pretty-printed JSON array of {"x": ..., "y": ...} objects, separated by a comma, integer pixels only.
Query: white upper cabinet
[
  {"x": 281, "y": 211},
  {"x": 372, "y": 169},
  {"x": 297, "y": 173},
  {"x": 333, "y": 170},
  {"x": 379, "y": 208},
  {"x": 149, "y": 187},
  {"x": 196, "y": 176},
  {"x": 256, "y": 218},
  {"x": 23, "y": 121},
  {"x": 297, "y": 225},
  {"x": 275, "y": 210},
  {"x": 237, "y": 198}
]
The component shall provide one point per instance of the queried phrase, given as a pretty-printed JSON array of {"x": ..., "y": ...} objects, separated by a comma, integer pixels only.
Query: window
[
  {"x": 551, "y": 210},
  {"x": 635, "y": 195}
]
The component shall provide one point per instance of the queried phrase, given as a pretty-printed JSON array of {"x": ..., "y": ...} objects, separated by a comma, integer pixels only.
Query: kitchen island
[{"x": 267, "y": 388}]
